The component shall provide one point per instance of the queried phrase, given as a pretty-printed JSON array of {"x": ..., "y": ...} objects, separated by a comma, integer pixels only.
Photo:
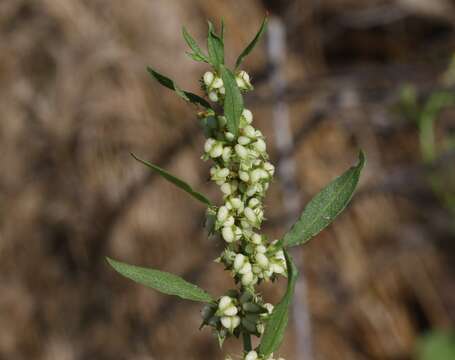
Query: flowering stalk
[{"x": 241, "y": 169}]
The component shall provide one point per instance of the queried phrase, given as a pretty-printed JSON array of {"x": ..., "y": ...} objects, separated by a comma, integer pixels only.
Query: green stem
[{"x": 247, "y": 342}]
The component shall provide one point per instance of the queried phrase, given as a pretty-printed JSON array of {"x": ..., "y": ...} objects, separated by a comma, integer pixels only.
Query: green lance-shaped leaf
[
  {"x": 215, "y": 47},
  {"x": 197, "y": 53},
  {"x": 176, "y": 181},
  {"x": 325, "y": 206},
  {"x": 164, "y": 282},
  {"x": 276, "y": 325},
  {"x": 233, "y": 101},
  {"x": 252, "y": 44},
  {"x": 187, "y": 96}
]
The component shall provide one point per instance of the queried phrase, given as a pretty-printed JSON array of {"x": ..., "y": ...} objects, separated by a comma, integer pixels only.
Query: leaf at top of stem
[
  {"x": 175, "y": 180},
  {"x": 215, "y": 47},
  {"x": 186, "y": 95},
  {"x": 325, "y": 206},
  {"x": 276, "y": 325},
  {"x": 233, "y": 101},
  {"x": 252, "y": 44},
  {"x": 162, "y": 281},
  {"x": 197, "y": 53}
]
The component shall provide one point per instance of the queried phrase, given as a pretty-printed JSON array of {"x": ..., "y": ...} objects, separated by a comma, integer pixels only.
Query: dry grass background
[{"x": 75, "y": 99}]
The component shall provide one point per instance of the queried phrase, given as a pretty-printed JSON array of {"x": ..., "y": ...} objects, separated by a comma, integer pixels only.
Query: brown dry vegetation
[{"x": 75, "y": 99}]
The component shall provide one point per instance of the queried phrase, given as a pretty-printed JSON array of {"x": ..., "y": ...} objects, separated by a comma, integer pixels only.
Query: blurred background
[{"x": 331, "y": 76}]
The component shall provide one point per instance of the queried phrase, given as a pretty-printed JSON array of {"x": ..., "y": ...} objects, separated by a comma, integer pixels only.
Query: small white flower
[
  {"x": 227, "y": 151},
  {"x": 217, "y": 150},
  {"x": 209, "y": 143},
  {"x": 252, "y": 355},
  {"x": 229, "y": 136},
  {"x": 262, "y": 260},
  {"x": 236, "y": 203},
  {"x": 254, "y": 202},
  {"x": 244, "y": 75},
  {"x": 248, "y": 279},
  {"x": 224, "y": 302},
  {"x": 246, "y": 268},
  {"x": 243, "y": 175},
  {"x": 249, "y": 131},
  {"x": 256, "y": 239},
  {"x": 222, "y": 90},
  {"x": 269, "y": 168},
  {"x": 241, "y": 151},
  {"x": 231, "y": 311},
  {"x": 239, "y": 261},
  {"x": 247, "y": 115},
  {"x": 260, "y": 146},
  {"x": 243, "y": 140},
  {"x": 228, "y": 234},
  {"x": 217, "y": 83},
  {"x": 269, "y": 307},
  {"x": 213, "y": 96},
  {"x": 208, "y": 78},
  {"x": 226, "y": 188},
  {"x": 280, "y": 255},
  {"x": 261, "y": 249},
  {"x": 277, "y": 268},
  {"x": 256, "y": 175},
  {"x": 229, "y": 221},
  {"x": 250, "y": 215},
  {"x": 222, "y": 214}
]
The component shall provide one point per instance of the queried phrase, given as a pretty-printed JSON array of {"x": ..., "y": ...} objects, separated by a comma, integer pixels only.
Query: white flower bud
[
  {"x": 260, "y": 146},
  {"x": 223, "y": 173},
  {"x": 256, "y": 239},
  {"x": 224, "y": 303},
  {"x": 262, "y": 260},
  {"x": 229, "y": 136},
  {"x": 278, "y": 269},
  {"x": 258, "y": 134},
  {"x": 250, "y": 215},
  {"x": 228, "y": 234},
  {"x": 243, "y": 175},
  {"x": 247, "y": 115},
  {"x": 244, "y": 75},
  {"x": 253, "y": 189},
  {"x": 222, "y": 214},
  {"x": 208, "y": 78},
  {"x": 226, "y": 321},
  {"x": 240, "y": 83},
  {"x": 241, "y": 151},
  {"x": 253, "y": 202},
  {"x": 213, "y": 96},
  {"x": 216, "y": 150},
  {"x": 222, "y": 120},
  {"x": 229, "y": 221},
  {"x": 269, "y": 307},
  {"x": 280, "y": 255},
  {"x": 239, "y": 261},
  {"x": 248, "y": 279},
  {"x": 231, "y": 311},
  {"x": 252, "y": 355},
  {"x": 209, "y": 144},
  {"x": 222, "y": 90},
  {"x": 235, "y": 322},
  {"x": 260, "y": 328},
  {"x": 261, "y": 249},
  {"x": 226, "y": 188},
  {"x": 236, "y": 203},
  {"x": 255, "y": 175},
  {"x": 217, "y": 83},
  {"x": 227, "y": 151},
  {"x": 243, "y": 140},
  {"x": 257, "y": 270},
  {"x": 246, "y": 268},
  {"x": 238, "y": 233},
  {"x": 249, "y": 131}
]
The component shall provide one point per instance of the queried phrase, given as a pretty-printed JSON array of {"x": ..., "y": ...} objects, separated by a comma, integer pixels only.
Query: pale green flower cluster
[{"x": 242, "y": 171}]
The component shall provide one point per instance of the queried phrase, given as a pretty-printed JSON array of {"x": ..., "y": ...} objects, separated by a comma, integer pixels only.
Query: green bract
[{"x": 241, "y": 169}]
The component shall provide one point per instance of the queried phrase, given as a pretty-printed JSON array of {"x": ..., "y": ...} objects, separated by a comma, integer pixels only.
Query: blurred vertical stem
[
  {"x": 276, "y": 48},
  {"x": 247, "y": 342}
]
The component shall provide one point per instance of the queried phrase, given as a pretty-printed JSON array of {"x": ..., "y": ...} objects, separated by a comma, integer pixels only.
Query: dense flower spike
[{"x": 242, "y": 171}]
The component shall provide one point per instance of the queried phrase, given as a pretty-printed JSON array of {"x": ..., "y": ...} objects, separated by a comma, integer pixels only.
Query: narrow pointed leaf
[
  {"x": 252, "y": 44},
  {"x": 161, "y": 281},
  {"x": 233, "y": 101},
  {"x": 216, "y": 48},
  {"x": 176, "y": 181},
  {"x": 325, "y": 206},
  {"x": 197, "y": 53},
  {"x": 187, "y": 96},
  {"x": 276, "y": 325}
]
